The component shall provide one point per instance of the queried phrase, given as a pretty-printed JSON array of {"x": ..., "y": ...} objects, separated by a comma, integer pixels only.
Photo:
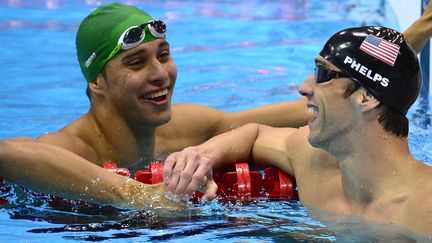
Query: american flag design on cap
[{"x": 381, "y": 49}]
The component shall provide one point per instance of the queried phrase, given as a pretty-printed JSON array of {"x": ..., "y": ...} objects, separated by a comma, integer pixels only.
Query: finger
[
  {"x": 199, "y": 178},
  {"x": 175, "y": 175},
  {"x": 188, "y": 174},
  {"x": 211, "y": 190},
  {"x": 168, "y": 167}
]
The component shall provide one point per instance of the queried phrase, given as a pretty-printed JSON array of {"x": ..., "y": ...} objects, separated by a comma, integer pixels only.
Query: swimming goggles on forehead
[
  {"x": 323, "y": 74},
  {"x": 135, "y": 35}
]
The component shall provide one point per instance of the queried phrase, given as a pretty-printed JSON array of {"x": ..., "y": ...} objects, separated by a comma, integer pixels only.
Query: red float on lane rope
[
  {"x": 279, "y": 185},
  {"x": 241, "y": 184},
  {"x": 2, "y": 201},
  {"x": 112, "y": 167},
  {"x": 153, "y": 175}
]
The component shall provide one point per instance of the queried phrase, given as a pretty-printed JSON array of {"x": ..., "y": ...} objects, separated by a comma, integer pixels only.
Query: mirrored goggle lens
[
  {"x": 322, "y": 74},
  {"x": 157, "y": 28},
  {"x": 133, "y": 35}
]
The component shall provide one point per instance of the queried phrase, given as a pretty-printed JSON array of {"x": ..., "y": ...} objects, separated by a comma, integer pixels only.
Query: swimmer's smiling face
[
  {"x": 332, "y": 114},
  {"x": 140, "y": 82}
]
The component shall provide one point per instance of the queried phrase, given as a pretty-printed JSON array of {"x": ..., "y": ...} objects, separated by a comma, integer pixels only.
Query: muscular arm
[
  {"x": 285, "y": 148},
  {"x": 53, "y": 170},
  {"x": 285, "y": 114},
  {"x": 421, "y": 30},
  {"x": 193, "y": 124},
  {"x": 185, "y": 170},
  {"x": 259, "y": 143}
]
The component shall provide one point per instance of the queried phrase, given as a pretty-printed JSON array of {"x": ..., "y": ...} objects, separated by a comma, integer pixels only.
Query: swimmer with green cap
[
  {"x": 125, "y": 58},
  {"x": 353, "y": 158},
  {"x": 112, "y": 29}
]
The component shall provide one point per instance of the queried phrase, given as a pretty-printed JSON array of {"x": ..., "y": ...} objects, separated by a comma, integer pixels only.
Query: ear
[
  {"x": 369, "y": 102},
  {"x": 97, "y": 86}
]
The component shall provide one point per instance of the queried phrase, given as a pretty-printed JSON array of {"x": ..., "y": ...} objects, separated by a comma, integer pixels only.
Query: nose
[
  {"x": 157, "y": 73},
  {"x": 307, "y": 87}
]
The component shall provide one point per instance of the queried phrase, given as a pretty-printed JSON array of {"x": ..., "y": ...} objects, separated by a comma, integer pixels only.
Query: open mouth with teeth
[
  {"x": 156, "y": 96},
  {"x": 314, "y": 111}
]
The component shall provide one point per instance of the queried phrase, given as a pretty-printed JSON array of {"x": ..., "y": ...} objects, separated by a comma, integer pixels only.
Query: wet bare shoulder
[
  {"x": 310, "y": 162},
  {"x": 70, "y": 142},
  {"x": 194, "y": 114},
  {"x": 418, "y": 209},
  {"x": 190, "y": 124}
]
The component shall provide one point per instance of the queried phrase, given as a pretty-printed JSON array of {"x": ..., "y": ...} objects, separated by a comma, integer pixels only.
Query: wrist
[
  {"x": 213, "y": 155},
  {"x": 139, "y": 196},
  {"x": 425, "y": 21}
]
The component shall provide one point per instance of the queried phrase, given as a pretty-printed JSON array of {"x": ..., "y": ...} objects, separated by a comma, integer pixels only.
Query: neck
[
  {"x": 373, "y": 163},
  {"x": 120, "y": 142}
]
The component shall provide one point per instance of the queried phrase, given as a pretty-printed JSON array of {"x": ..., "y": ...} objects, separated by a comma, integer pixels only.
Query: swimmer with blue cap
[{"x": 353, "y": 157}]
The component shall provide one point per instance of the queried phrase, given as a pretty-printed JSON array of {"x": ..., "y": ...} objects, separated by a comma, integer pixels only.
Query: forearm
[
  {"x": 284, "y": 114},
  {"x": 421, "y": 30},
  {"x": 186, "y": 170},
  {"x": 52, "y": 170},
  {"x": 231, "y": 146}
]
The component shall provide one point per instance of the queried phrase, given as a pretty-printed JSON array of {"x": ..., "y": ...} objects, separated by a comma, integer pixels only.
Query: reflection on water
[
  {"x": 265, "y": 220},
  {"x": 251, "y": 53},
  {"x": 421, "y": 116},
  {"x": 275, "y": 221},
  {"x": 353, "y": 229}
]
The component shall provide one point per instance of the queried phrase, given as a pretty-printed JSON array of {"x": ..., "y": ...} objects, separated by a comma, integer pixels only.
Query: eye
[
  {"x": 164, "y": 56},
  {"x": 135, "y": 63}
]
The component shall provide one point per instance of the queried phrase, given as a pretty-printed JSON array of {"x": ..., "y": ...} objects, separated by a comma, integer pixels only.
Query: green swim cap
[{"x": 98, "y": 35}]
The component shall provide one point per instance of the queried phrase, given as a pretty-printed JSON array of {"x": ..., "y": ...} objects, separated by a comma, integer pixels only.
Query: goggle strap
[{"x": 114, "y": 52}]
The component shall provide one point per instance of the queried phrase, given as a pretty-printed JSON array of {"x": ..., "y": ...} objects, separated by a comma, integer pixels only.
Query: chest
[
  {"x": 324, "y": 194},
  {"x": 173, "y": 140},
  {"x": 390, "y": 209}
]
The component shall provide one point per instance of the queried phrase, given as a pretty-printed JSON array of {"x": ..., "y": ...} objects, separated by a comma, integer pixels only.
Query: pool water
[{"x": 231, "y": 55}]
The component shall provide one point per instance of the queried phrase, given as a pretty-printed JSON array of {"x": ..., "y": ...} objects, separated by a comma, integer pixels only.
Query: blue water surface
[{"x": 231, "y": 55}]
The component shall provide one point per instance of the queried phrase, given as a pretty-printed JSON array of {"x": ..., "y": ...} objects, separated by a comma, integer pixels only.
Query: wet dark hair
[
  {"x": 88, "y": 93},
  {"x": 392, "y": 121}
]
